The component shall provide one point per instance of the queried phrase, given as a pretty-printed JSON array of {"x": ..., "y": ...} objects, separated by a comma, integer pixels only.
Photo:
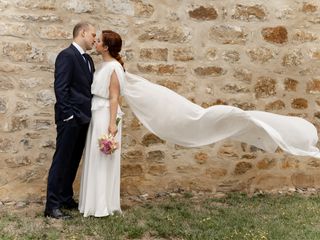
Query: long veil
[{"x": 177, "y": 120}]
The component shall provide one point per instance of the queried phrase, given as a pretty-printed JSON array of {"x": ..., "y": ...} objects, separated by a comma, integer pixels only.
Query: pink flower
[{"x": 108, "y": 144}]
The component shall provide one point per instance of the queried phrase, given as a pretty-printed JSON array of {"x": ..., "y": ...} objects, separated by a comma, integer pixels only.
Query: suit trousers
[{"x": 70, "y": 143}]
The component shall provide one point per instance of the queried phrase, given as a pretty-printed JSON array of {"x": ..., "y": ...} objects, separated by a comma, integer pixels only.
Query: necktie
[{"x": 86, "y": 58}]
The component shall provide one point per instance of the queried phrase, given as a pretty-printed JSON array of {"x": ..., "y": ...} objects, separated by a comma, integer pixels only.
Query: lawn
[{"x": 184, "y": 216}]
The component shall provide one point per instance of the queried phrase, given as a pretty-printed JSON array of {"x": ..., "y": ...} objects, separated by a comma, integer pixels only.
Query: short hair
[{"x": 79, "y": 26}]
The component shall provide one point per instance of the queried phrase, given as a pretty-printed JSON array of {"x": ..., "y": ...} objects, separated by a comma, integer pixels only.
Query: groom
[{"x": 73, "y": 77}]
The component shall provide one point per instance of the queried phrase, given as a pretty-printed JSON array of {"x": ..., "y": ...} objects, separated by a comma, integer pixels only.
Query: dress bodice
[{"x": 101, "y": 82}]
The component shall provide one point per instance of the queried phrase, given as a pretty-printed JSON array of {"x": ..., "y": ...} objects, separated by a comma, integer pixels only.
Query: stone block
[
  {"x": 277, "y": 35},
  {"x": 249, "y": 13},
  {"x": 203, "y": 13},
  {"x": 265, "y": 87},
  {"x": 299, "y": 103},
  {"x": 228, "y": 34},
  {"x": 158, "y": 54}
]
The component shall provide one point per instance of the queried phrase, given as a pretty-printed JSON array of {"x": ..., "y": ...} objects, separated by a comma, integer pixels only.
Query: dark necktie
[{"x": 86, "y": 58}]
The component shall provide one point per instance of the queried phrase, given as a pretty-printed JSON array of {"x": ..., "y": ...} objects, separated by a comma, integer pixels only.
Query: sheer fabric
[{"x": 177, "y": 120}]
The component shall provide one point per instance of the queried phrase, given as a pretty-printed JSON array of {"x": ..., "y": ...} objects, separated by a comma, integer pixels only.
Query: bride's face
[{"x": 99, "y": 45}]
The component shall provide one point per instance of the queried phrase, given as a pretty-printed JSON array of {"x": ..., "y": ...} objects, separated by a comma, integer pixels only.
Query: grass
[{"x": 182, "y": 217}]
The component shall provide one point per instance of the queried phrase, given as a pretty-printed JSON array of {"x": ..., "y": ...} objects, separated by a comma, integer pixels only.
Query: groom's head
[{"x": 84, "y": 34}]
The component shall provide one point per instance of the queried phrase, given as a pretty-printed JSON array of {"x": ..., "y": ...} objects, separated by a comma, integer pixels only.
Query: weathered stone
[
  {"x": 227, "y": 34},
  {"x": 309, "y": 7},
  {"x": 293, "y": 58},
  {"x": 6, "y": 83},
  {"x": 157, "y": 170},
  {"x": 211, "y": 54},
  {"x": 133, "y": 156},
  {"x": 270, "y": 182},
  {"x": 135, "y": 124},
  {"x": 128, "y": 141},
  {"x": 150, "y": 139},
  {"x": 49, "y": 144},
  {"x": 129, "y": 170},
  {"x": 314, "y": 54},
  {"x": 290, "y": 84},
  {"x": 159, "y": 54},
  {"x": 54, "y": 33},
  {"x": 160, "y": 69},
  {"x": 167, "y": 33},
  {"x": 201, "y": 157},
  {"x": 7, "y": 146},
  {"x": 302, "y": 180},
  {"x": 42, "y": 124},
  {"x": 42, "y": 158},
  {"x": 128, "y": 55},
  {"x": 3, "y": 5},
  {"x": 37, "y": 18},
  {"x": 276, "y": 105},
  {"x": 277, "y": 34},
  {"x": 170, "y": 84},
  {"x": 143, "y": 9},
  {"x": 183, "y": 54},
  {"x": 46, "y": 97},
  {"x": 289, "y": 162},
  {"x": 131, "y": 186},
  {"x": 23, "y": 52},
  {"x": 227, "y": 151},
  {"x": 314, "y": 163},
  {"x": 244, "y": 105},
  {"x": 261, "y": 54},
  {"x": 203, "y": 13},
  {"x": 299, "y": 103},
  {"x": 20, "y": 106},
  {"x": 210, "y": 71},
  {"x": 9, "y": 68},
  {"x": 187, "y": 169},
  {"x": 123, "y": 7},
  {"x": 13, "y": 29},
  {"x": 234, "y": 88},
  {"x": 301, "y": 36},
  {"x": 27, "y": 83},
  {"x": 217, "y": 102},
  {"x": 266, "y": 163},
  {"x": 313, "y": 86},
  {"x": 79, "y": 6},
  {"x": 231, "y": 56},
  {"x": 231, "y": 186},
  {"x": 242, "y": 168},
  {"x": 155, "y": 156},
  {"x": 317, "y": 115},
  {"x": 265, "y": 87},
  {"x": 3, "y": 105},
  {"x": 247, "y": 13},
  {"x": 216, "y": 172},
  {"x": 40, "y": 4},
  {"x": 18, "y": 161},
  {"x": 243, "y": 75},
  {"x": 19, "y": 122}
]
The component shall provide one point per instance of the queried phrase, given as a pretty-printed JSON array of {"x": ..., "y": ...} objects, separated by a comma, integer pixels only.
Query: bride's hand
[{"x": 113, "y": 129}]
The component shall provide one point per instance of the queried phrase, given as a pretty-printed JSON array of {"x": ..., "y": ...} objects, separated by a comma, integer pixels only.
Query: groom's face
[{"x": 89, "y": 37}]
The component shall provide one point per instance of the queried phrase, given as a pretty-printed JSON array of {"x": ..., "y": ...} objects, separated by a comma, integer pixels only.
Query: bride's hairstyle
[{"x": 113, "y": 41}]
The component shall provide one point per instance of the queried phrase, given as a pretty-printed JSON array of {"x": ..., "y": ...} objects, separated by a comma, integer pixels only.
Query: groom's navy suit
[{"x": 73, "y": 77}]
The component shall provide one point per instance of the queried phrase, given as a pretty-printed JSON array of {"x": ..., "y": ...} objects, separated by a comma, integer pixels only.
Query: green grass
[{"x": 185, "y": 217}]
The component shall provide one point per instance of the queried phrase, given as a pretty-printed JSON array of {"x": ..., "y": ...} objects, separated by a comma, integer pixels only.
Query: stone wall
[{"x": 261, "y": 55}]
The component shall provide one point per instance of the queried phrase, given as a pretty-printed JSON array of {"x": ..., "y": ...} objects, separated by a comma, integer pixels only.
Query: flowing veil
[{"x": 175, "y": 119}]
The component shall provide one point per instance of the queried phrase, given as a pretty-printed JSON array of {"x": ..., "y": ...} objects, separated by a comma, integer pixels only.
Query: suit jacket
[{"x": 72, "y": 86}]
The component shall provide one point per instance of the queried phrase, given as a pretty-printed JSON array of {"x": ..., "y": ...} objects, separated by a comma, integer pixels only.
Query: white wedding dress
[
  {"x": 100, "y": 180},
  {"x": 177, "y": 120}
]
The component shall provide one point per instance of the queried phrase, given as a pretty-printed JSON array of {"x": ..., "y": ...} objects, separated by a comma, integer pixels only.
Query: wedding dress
[
  {"x": 100, "y": 180},
  {"x": 177, "y": 120}
]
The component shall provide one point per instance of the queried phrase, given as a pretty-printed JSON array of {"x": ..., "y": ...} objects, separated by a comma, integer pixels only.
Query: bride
[{"x": 173, "y": 118}]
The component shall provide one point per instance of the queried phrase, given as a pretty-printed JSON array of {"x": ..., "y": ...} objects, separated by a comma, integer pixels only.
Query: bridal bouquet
[{"x": 107, "y": 142}]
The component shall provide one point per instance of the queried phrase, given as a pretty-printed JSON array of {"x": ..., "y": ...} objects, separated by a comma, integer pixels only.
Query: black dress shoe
[
  {"x": 72, "y": 205},
  {"x": 56, "y": 213}
]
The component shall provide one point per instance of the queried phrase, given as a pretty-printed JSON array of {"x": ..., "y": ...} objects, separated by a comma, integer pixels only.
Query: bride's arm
[{"x": 114, "y": 95}]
